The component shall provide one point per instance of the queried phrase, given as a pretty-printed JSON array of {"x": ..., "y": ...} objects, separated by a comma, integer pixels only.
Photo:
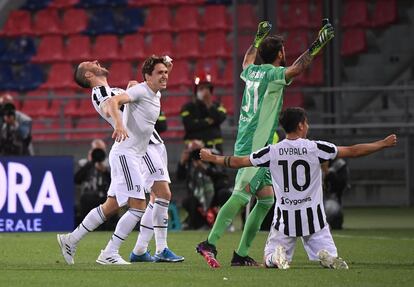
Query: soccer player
[
  {"x": 294, "y": 164},
  {"x": 261, "y": 105},
  {"x": 132, "y": 132}
]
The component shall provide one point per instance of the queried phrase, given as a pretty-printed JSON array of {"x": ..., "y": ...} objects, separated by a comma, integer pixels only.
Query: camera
[{"x": 98, "y": 155}]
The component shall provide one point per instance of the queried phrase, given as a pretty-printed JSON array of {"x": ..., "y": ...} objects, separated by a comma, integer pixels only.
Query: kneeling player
[{"x": 294, "y": 164}]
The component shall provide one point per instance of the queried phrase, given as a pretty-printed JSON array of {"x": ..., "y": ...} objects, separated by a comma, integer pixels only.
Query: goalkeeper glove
[
  {"x": 324, "y": 36},
  {"x": 262, "y": 31}
]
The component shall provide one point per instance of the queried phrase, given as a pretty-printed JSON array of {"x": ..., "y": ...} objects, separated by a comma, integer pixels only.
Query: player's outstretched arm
[
  {"x": 262, "y": 31},
  {"x": 227, "y": 161},
  {"x": 367, "y": 148},
  {"x": 304, "y": 60}
]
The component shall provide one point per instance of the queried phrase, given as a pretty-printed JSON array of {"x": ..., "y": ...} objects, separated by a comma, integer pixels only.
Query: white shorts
[
  {"x": 155, "y": 165},
  {"x": 127, "y": 178},
  {"x": 313, "y": 243}
]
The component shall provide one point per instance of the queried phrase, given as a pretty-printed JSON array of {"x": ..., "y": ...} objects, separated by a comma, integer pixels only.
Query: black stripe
[
  {"x": 277, "y": 224},
  {"x": 146, "y": 227},
  {"x": 150, "y": 206},
  {"x": 265, "y": 164},
  {"x": 118, "y": 237},
  {"x": 151, "y": 163},
  {"x": 103, "y": 91},
  {"x": 298, "y": 223},
  {"x": 126, "y": 172},
  {"x": 100, "y": 213},
  {"x": 262, "y": 152},
  {"x": 129, "y": 174},
  {"x": 162, "y": 203},
  {"x": 309, "y": 212},
  {"x": 85, "y": 227},
  {"x": 161, "y": 226},
  {"x": 285, "y": 215},
  {"x": 156, "y": 135},
  {"x": 320, "y": 217},
  {"x": 151, "y": 142},
  {"x": 325, "y": 148}
]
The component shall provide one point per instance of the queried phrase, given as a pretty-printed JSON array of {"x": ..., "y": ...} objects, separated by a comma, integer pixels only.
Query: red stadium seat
[
  {"x": 247, "y": 17},
  {"x": 158, "y": 19},
  {"x": 18, "y": 23},
  {"x": 355, "y": 14},
  {"x": 187, "y": 46},
  {"x": 180, "y": 75},
  {"x": 36, "y": 94},
  {"x": 385, "y": 13},
  {"x": 299, "y": 15},
  {"x": 186, "y": 19},
  {"x": 106, "y": 48},
  {"x": 74, "y": 21},
  {"x": 353, "y": 42},
  {"x": 316, "y": 14},
  {"x": 47, "y": 22},
  {"x": 216, "y": 45},
  {"x": 172, "y": 105},
  {"x": 71, "y": 108},
  {"x": 215, "y": 18},
  {"x": 243, "y": 43},
  {"x": 35, "y": 107},
  {"x": 78, "y": 48},
  {"x": 120, "y": 73},
  {"x": 293, "y": 100},
  {"x": 60, "y": 76},
  {"x": 227, "y": 79},
  {"x": 296, "y": 43},
  {"x": 132, "y": 48},
  {"x": 161, "y": 44},
  {"x": 50, "y": 50},
  {"x": 92, "y": 129},
  {"x": 63, "y": 3},
  {"x": 86, "y": 108},
  {"x": 46, "y": 130}
]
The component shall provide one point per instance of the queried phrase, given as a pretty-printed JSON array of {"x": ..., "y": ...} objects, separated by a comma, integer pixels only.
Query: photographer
[
  {"x": 208, "y": 187},
  {"x": 94, "y": 178},
  {"x": 15, "y": 132}
]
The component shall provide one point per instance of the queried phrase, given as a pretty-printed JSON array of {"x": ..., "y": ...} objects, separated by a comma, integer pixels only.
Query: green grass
[{"x": 378, "y": 255}]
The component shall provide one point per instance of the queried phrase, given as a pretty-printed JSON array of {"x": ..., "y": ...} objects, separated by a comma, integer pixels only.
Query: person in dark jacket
[{"x": 202, "y": 116}]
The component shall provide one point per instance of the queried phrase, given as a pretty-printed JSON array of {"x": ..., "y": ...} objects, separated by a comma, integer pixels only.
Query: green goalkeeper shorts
[{"x": 256, "y": 177}]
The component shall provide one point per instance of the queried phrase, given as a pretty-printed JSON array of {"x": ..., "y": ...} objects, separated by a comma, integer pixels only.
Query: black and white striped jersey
[
  {"x": 297, "y": 181},
  {"x": 102, "y": 93}
]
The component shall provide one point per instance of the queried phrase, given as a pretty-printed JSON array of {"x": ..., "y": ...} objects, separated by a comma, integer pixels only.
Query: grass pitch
[{"x": 378, "y": 245}]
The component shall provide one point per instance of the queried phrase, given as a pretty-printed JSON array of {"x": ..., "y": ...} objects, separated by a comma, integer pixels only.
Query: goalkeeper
[{"x": 261, "y": 104}]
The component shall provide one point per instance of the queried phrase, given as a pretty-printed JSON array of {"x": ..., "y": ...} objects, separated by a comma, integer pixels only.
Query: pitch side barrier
[{"x": 36, "y": 194}]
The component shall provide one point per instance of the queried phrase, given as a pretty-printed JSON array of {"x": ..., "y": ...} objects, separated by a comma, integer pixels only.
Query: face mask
[{"x": 200, "y": 95}]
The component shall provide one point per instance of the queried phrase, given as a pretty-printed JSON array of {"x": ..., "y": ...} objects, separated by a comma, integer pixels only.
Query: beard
[
  {"x": 100, "y": 71},
  {"x": 283, "y": 62}
]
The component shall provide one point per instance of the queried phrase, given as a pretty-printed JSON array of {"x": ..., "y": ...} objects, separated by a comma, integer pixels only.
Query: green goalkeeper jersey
[{"x": 261, "y": 105}]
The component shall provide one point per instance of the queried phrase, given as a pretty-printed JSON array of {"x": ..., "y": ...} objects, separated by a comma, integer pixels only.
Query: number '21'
[{"x": 294, "y": 174}]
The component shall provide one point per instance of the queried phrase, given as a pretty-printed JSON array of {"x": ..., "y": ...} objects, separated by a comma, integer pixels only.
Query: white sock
[
  {"x": 125, "y": 225},
  {"x": 146, "y": 232},
  {"x": 160, "y": 222},
  {"x": 92, "y": 220}
]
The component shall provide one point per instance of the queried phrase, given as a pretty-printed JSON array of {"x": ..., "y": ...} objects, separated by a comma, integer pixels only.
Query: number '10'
[{"x": 294, "y": 174}]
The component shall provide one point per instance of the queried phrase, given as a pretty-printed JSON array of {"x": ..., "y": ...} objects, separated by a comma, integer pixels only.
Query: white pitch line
[{"x": 375, "y": 237}]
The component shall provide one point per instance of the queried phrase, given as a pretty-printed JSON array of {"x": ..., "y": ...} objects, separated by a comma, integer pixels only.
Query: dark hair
[
  {"x": 149, "y": 64},
  {"x": 79, "y": 77},
  {"x": 270, "y": 47},
  {"x": 207, "y": 85},
  {"x": 291, "y": 117}
]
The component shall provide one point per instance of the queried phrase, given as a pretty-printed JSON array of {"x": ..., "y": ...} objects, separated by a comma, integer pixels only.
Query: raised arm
[
  {"x": 304, "y": 60},
  {"x": 111, "y": 109},
  {"x": 262, "y": 31},
  {"x": 227, "y": 161},
  {"x": 359, "y": 150}
]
